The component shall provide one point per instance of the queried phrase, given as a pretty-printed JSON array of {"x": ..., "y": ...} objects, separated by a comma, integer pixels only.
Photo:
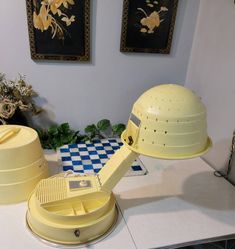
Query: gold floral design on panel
[
  {"x": 151, "y": 22},
  {"x": 52, "y": 14}
]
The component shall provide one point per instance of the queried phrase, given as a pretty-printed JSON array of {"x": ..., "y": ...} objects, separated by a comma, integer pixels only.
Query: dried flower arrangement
[{"x": 16, "y": 95}]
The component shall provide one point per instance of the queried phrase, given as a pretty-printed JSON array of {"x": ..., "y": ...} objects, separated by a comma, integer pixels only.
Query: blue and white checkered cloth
[{"x": 89, "y": 158}]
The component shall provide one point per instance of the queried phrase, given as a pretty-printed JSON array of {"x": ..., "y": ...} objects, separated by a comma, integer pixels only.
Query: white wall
[
  {"x": 106, "y": 88},
  {"x": 211, "y": 73}
]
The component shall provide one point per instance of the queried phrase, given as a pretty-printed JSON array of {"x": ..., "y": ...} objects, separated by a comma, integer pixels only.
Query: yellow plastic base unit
[
  {"x": 59, "y": 216},
  {"x": 75, "y": 209}
]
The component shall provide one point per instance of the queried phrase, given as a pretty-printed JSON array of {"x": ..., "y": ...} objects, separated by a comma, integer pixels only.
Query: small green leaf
[
  {"x": 85, "y": 138},
  {"x": 103, "y": 124},
  {"x": 64, "y": 127},
  {"x": 118, "y": 129},
  {"x": 53, "y": 130},
  {"x": 91, "y": 129},
  {"x": 40, "y": 132}
]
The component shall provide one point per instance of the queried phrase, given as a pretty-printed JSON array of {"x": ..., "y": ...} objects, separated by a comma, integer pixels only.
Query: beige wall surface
[{"x": 211, "y": 74}]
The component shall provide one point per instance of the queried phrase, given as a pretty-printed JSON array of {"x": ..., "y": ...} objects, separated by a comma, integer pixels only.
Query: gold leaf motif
[
  {"x": 49, "y": 13},
  {"x": 164, "y": 8},
  {"x": 143, "y": 30},
  {"x": 67, "y": 20},
  {"x": 59, "y": 12},
  {"x": 152, "y": 21},
  {"x": 65, "y": 4},
  {"x": 42, "y": 21},
  {"x": 71, "y": 2}
]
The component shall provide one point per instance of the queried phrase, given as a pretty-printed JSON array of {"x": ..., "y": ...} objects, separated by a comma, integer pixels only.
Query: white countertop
[
  {"x": 14, "y": 233},
  {"x": 176, "y": 202}
]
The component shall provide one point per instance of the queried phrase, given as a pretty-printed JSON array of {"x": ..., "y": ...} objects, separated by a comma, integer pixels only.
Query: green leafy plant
[
  {"x": 57, "y": 135},
  {"x": 103, "y": 129}
]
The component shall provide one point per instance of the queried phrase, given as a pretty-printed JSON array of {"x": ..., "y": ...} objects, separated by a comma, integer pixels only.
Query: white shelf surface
[
  {"x": 178, "y": 202},
  {"x": 14, "y": 233}
]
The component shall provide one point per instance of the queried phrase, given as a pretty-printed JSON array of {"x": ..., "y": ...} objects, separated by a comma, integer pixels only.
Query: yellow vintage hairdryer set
[{"x": 168, "y": 121}]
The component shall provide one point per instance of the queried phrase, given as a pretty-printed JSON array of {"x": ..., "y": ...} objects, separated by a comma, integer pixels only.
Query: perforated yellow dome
[{"x": 168, "y": 121}]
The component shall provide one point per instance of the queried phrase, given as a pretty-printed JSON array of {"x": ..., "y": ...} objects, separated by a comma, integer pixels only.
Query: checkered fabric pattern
[{"x": 89, "y": 158}]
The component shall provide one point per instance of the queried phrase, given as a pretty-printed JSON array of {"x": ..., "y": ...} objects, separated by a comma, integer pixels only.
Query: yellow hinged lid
[
  {"x": 19, "y": 146},
  {"x": 12, "y": 136}
]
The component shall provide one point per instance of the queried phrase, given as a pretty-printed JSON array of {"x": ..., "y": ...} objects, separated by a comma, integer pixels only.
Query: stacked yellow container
[{"x": 22, "y": 163}]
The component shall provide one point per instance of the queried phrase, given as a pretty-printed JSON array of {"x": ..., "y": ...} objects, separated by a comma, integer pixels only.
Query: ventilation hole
[
  {"x": 165, "y": 132},
  {"x": 156, "y": 119},
  {"x": 143, "y": 140},
  {"x": 167, "y": 120},
  {"x": 145, "y": 128},
  {"x": 125, "y": 140},
  {"x": 155, "y": 130},
  {"x": 164, "y": 144}
]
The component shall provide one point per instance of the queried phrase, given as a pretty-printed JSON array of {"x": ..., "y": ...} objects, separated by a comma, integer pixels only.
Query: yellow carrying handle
[
  {"x": 116, "y": 168},
  {"x": 8, "y": 133}
]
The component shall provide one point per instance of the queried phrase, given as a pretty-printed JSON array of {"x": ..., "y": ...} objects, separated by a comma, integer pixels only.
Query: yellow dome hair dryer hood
[{"x": 167, "y": 121}]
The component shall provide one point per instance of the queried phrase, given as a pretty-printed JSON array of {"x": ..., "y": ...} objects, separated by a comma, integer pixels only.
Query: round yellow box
[{"x": 22, "y": 163}]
